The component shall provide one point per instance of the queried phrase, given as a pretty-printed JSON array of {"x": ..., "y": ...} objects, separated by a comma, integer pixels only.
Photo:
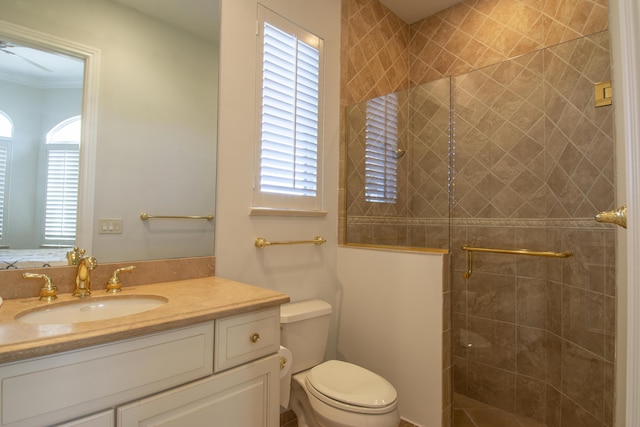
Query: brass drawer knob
[{"x": 255, "y": 337}]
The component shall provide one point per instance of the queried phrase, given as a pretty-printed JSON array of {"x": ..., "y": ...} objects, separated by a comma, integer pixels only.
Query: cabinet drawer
[
  {"x": 52, "y": 389},
  {"x": 247, "y": 337}
]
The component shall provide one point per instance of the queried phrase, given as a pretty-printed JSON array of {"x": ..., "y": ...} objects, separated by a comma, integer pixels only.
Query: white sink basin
[{"x": 91, "y": 309}]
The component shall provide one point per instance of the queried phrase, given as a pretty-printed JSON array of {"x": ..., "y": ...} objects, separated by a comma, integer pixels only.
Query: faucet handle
[
  {"x": 114, "y": 284},
  {"x": 73, "y": 256},
  {"x": 48, "y": 291}
]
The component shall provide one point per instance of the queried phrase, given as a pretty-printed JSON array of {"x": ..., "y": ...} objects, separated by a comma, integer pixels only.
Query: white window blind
[
  {"x": 6, "y": 136},
  {"x": 61, "y": 204},
  {"x": 381, "y": 163},
  {"x": 289, "y": 154},
  {"x": 4, "y": 159},
  {"x": 61, "y": 182}
]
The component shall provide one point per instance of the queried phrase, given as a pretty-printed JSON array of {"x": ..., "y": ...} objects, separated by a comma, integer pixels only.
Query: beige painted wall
[{"x": 301, "y": 271}]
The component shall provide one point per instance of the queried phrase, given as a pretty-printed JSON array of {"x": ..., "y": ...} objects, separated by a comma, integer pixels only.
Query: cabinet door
[
  {"x": 246, "y": 396},
  {"x": 102, "y": 419},
  {"x": 80, "y": 382}
]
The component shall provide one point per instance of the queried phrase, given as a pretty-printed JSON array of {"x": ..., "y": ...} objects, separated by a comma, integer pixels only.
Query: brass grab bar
[
  {"x": 146, "y": 216},
  {"x": 470, "y": 250},
  {"x": 261, "y": 242}
]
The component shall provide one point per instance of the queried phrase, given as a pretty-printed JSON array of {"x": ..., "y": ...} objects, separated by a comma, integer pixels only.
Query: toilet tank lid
[{"x": 296, "y": 311}]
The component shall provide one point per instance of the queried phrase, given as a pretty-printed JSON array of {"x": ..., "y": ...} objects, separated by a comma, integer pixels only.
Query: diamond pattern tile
[
  {"x": 580, "y": 123},
  {"x": 509, "y": 121},
  {"x": 571, "y": 130},
  {"x": 423, "y": 123},
  {"x": 377, "y": 51},
  {"x": 531, "y": 157},
  {"x": 513, "y": 98}
]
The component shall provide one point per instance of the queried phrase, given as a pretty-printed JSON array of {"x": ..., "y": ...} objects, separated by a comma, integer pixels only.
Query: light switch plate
[{"x": 110, "y": 226}]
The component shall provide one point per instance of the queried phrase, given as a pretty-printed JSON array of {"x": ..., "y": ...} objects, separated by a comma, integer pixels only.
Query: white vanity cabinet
[
  {"x": 238, "y": 397},
  {"x": 102, "y": 419},
  {"x": 162, "y": 379}
]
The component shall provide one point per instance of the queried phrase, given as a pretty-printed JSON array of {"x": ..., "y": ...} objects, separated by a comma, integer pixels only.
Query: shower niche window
[{"x": 398, "y": 168}]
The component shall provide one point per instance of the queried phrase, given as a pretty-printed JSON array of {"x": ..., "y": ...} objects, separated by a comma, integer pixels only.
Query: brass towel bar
[
  {"x": 470, "y": 250},
  {"x": 146, "y": 216},
  {"x": 261, "y": 242}
]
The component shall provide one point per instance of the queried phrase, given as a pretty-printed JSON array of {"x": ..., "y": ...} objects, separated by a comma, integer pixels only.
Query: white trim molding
[
  {"x": 91, "y": 57},
  {"x": 624, "y": 18}
]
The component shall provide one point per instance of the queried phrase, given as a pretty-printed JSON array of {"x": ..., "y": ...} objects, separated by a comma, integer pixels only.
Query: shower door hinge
[{"x": 603, "y": 94}]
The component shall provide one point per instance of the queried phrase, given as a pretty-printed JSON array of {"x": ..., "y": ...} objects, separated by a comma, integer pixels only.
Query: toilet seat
[{"x": 352, "y": 388}]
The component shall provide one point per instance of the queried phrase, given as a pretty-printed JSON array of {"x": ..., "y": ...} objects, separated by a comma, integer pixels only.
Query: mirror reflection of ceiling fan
[{"x": 6, "y": 47}]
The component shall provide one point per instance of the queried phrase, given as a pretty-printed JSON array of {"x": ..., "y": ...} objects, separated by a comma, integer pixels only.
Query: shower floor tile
[{"x": 468, "y": 412}]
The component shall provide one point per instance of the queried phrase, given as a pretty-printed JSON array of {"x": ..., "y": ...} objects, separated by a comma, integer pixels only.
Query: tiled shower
[
  {"x": 527, "y": 161},
  {"x": 534, "y": 163}
]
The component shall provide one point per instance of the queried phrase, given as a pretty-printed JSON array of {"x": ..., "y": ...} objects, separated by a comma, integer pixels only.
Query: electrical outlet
[{"x": 110, "y": 226}]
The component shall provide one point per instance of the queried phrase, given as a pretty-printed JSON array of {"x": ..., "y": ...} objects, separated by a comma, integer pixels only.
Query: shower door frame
[{"x": 624, "y": 19}]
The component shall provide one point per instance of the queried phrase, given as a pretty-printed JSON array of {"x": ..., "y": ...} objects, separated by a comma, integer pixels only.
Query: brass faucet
[
  {"x": 48, "y": 290},
  {"x": 83, "y": 277},
  {"x": 114, "y": 284},
  {"x": 73, "y": 256}
]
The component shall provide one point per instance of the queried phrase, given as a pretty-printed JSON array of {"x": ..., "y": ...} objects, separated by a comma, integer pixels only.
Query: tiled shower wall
[
  {"x": 554, "y": 318},
  {"x": 420, "y": 216},
  {"x": 534, "y": 162}
]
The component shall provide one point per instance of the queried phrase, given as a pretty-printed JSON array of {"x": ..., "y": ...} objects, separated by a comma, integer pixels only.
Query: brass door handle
[
  {"x": 618, "y": 216},
  {"x": 254, "y": 337}
]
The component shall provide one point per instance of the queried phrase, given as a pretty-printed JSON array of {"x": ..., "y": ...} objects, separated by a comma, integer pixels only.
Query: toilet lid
[{"x": 352, "y": 384}]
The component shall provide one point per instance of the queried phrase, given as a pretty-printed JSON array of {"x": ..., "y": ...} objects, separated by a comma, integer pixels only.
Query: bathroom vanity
[{"x": 209, "y": 355}]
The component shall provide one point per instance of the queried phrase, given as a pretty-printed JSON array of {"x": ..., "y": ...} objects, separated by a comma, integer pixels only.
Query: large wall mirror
[{"x": 142, "y": 80}]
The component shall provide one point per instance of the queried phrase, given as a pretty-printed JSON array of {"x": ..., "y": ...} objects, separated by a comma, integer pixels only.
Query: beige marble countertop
[{"x": 189, "y": 302}]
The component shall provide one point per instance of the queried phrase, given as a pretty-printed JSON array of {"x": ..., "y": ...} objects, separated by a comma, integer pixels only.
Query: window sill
[{"x": 285, "y": 212}]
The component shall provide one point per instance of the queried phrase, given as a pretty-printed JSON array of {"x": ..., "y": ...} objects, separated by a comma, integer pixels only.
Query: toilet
[{"x": 330, "y": 393}]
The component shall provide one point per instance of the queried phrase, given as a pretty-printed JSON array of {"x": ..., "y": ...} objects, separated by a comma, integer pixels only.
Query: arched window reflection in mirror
[
  {"x": 45, "y": 80},
  {"x": 6, "y": 136},
  {"x": 62, "y": 154},
  {"x": 6, "y": 126}
]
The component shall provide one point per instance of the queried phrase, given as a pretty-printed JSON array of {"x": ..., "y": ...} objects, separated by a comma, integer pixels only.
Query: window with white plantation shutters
[
  {"x": 61, "y": 182},
  {"x": 381, "y": 145},
  {"x": 289, "y": 156}
]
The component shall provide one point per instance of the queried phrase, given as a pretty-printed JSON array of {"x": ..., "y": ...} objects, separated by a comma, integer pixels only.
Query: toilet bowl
[
  {"x": 335, "y": 403},
  {"x": 331, "y": 393}
]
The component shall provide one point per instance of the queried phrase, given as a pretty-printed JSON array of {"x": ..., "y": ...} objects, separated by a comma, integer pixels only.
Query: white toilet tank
[{"x": 304, "y": 329}]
